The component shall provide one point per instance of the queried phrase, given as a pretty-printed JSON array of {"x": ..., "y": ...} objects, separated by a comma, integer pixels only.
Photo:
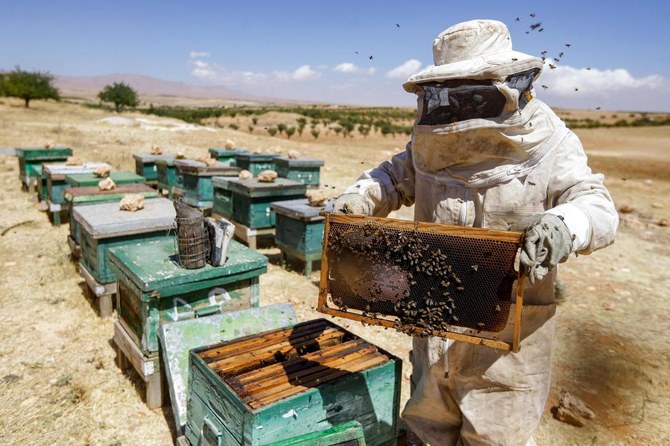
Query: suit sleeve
[
  {"x": 388, "y": 186},
  {"x": 581, "y": 198}
]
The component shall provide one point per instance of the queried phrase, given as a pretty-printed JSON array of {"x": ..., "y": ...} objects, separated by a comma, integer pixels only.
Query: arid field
[{"x": 59, "y": 384}]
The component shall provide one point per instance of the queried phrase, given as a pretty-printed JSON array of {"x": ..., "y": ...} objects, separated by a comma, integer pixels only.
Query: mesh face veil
[{"x": 464, "y": 99}]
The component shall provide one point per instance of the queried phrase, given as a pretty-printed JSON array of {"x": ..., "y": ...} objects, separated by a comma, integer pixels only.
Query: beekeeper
[{"x": 486, "y": 153}]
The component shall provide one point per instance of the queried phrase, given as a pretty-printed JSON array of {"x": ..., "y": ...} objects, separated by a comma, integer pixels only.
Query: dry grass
[{"x": 58, "y": 380}]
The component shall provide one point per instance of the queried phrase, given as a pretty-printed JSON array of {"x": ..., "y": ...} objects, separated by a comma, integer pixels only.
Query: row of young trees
[{"x": 29, "y": 85}]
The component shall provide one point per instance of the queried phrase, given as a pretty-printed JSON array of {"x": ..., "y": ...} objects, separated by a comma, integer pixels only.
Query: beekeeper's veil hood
[
  {"x": 478, "y": 49},
  {"x": 476, "y": 115}
]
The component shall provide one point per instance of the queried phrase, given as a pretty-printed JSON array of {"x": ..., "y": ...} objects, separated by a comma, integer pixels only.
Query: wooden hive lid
[
  {"x": 91, "y": 193},
  {"x": 254, "y": 188},
  {"x": 106, "y": 220},
  {"x": 257, "y": 157},
  {"x": 299, "y": 162},
  {"x": 149, "y": 158},
  {"x": 152, "y": 266},
  {"x": 198, "y": 168},
  {"x": 90, "y": 179},
  {"x": 42, "y": 153},
  {"x": 298, "y": 209},
  {"x": 52, "y": 169},
  {"x": 222, "y": 152}
]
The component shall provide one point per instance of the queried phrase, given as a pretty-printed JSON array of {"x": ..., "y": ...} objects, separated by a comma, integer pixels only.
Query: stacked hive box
[
  {"x": 82, "y": 196},
  {"x": 289, "y": 382},
  {"x": 145, "y": 165},
  {"x": 30, "y": 163},
  {"x": 55, "y": 179},
  {"x": 303, "y": 170},
  {"x": 153, "y": 289},
  {"x": 226, "y": 156},
  {"x": 248, "y": 203},
  {"x": 197, "y": 189},
  {"x": 299, "y": 231},
  {"x": 104, "y": 226}
]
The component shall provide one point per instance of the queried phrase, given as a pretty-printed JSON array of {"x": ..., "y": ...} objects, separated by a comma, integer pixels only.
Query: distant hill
[{"x": 152, "y": 89}]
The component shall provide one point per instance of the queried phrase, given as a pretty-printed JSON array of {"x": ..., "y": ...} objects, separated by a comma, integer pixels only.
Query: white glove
[
  {"x": 546, "y": 243},
  {"x": 351, "y": 203}
]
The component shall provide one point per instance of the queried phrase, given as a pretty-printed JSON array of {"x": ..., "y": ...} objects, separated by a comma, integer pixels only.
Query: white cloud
[
  {"x": 349, "y": 68},
  {"x": 564, "y": 79},
  {"x": 213, "y": 72},
  {"x": 610, "y": 89},
  {"x": 199, "y": 54},
  {"x": 303, "y": 73},
  {"x": 405, "y": 70}
]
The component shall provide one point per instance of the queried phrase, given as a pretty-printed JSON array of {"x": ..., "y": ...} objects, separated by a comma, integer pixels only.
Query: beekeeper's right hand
[{"x": 349, "y": 203}]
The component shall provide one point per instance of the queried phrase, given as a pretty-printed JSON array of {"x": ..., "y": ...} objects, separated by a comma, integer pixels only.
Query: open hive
[
  {"x": 291, "y": 381},
  {"x": 422, "y": 278}
]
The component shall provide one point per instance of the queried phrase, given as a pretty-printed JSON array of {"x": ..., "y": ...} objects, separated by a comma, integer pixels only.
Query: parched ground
[{"x": 58, "y": 380}]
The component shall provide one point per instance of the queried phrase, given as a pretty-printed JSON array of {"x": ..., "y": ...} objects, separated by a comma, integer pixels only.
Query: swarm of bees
[{"x": 428, "y": 300}]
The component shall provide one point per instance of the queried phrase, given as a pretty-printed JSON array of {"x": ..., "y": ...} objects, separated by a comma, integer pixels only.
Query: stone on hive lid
[
  {"x": 245, "y": 175},
  {"x": 107, "y": 184},
  {"x": 267, "y": 176},
  {"x": 132, "y": 203}
]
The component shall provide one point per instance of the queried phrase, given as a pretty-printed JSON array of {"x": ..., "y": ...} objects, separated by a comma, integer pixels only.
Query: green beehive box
[
  {"x": 197, "y": 189},
  {"x": 41, "y": 180},
  {"x": 252, "y": 199},
  {"x": 90, "y": 179},
  {"x": 290, "y": 382},
  {"x": 226, "y": 156},
  {"x": 104, "y": 226},
  {"x": 177, "y": 338},
  {"x": 223, "y": 197},
  {"x": 153, "y": 288},
  {"x": 299, "y": 231},
  {"x": 82, "y": 196},
  {"x": 304, "y": 170},
  {"x": 30, "y": 159},
  {"x": 256, "y": 162},
  {"x": 55, "y": 183},
  {"x": 168, "y": 176},
  {"x": 145, "y": 165}
]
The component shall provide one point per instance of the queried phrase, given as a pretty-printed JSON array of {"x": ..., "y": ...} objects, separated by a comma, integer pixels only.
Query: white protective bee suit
[{"x": 497, "y": 173}]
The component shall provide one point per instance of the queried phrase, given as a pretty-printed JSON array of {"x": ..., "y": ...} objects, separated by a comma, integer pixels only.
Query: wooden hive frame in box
[{"x": 424, "y": 279}]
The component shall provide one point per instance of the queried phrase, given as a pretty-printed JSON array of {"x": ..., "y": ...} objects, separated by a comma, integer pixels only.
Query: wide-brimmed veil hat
[{"x": 477, "y": 49}]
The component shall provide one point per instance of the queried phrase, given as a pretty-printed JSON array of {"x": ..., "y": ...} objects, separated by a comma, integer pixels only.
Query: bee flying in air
[
  {"x": 552, "y": 66},
  {"x": 560, "y": 54},
  {"x": 517, "y": 19},
  {"x": 545, "y": 87},
  {"x": 535, "y": 26},
  {"x": 568, "y": 45},
  {"x": 532, "y": 14}
]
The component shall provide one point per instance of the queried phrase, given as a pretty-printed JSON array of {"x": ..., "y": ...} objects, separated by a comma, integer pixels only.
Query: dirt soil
[{"x": 58, "y": 380}]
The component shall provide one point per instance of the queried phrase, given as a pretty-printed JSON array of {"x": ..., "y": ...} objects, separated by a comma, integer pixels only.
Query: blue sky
[{"x": 308, "y": 49}]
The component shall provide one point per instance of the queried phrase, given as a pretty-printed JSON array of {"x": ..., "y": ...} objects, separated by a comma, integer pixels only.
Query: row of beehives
[{"x": 309, "y": 380}]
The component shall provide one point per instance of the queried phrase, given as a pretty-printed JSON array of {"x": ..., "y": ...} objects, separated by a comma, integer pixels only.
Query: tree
[
  {"x": 121, "y": 94},
  {"x": 29, "y": 85},
  {"x": 281, "y": 128},
  {"x": 315, "y": 133},
  {"x": 290, "y": 132},
  {"x": 272, "y": 131}
]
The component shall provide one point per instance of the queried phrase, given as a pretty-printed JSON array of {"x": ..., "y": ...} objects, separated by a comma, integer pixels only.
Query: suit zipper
[{"x": 464, "y": 207}]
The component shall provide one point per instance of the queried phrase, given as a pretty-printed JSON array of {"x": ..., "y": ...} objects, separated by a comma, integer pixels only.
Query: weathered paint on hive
[
  {"x": 156, "y": 268},
  {"x": 177, "y": 338},
  {"x": 349, "y": 433}
]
